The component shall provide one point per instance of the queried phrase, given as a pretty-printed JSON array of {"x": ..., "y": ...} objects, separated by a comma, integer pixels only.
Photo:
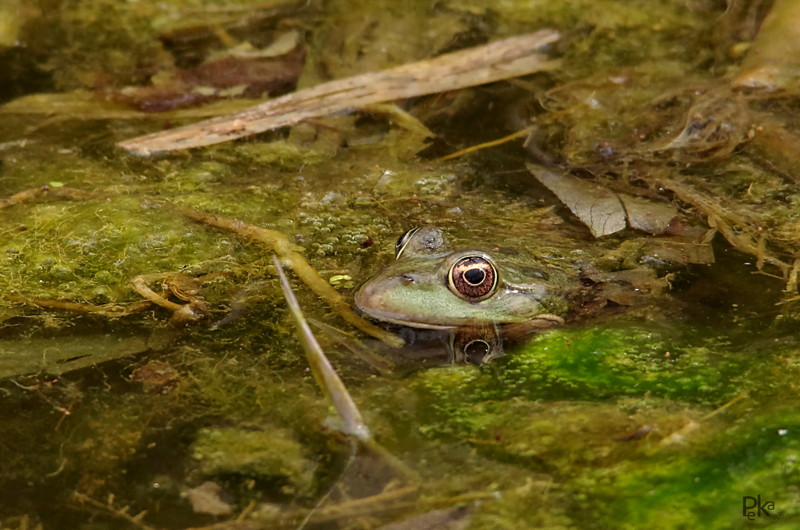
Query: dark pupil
[
  {"x": 476, "y": 350},
  {"x": 474, "y": 276}
]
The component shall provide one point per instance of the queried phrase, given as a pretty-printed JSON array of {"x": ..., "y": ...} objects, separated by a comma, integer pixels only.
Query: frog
[{"x": 430, "y": 285}]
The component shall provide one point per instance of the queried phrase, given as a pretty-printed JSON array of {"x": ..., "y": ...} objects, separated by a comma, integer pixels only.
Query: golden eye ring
[
  {"x": 473, "y": 278},
  {"x": 402, "y": 241}
]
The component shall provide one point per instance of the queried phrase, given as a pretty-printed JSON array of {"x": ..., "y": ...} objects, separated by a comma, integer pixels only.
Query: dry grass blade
[
  {"x": 486, "y": 145},
  {"x": 332, "y": 386},
  {"x": 499, "y": 60},
  {"x": 393, "y": 501},
  {"x": 377, "y": 362},
  {"x": 741, "y": 232},
  {"x": 326, "y": 377},
  {"x": 110, "y": 310},
  {"x": 680, "y": 436}
]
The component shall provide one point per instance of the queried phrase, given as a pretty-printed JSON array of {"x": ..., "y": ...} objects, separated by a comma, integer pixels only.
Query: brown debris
[
  {"x": 241, "y": 76},
  {"x": 208, "y": 498},
  {"x": 156, "y": 376},
  {"x": 194, "y": 309},
  {"x": 716, "y": 124},
  {"x": 638, "y": 434},
  {"x": 43, "y": 192}
]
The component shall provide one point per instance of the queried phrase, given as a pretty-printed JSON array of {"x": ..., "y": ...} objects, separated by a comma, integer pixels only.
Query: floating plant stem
[
  {"x": 283, "y": 247},
  {"x": 486, "y": 145}
]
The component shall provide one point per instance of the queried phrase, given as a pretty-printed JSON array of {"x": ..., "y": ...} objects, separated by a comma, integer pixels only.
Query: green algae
[
  {"x": 698, "y": 465},
  {"x": 263, "y": 452},
  {"x": 608, "y": 29},
  {"x": 90, "y": 251},
  {"x": 757, "y": 457},
  {"x": 619, "y": 361},
  {"x": 591, "y": 364}
]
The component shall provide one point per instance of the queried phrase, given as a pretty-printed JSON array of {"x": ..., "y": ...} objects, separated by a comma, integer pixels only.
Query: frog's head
[{"x": 431, "y": 286}]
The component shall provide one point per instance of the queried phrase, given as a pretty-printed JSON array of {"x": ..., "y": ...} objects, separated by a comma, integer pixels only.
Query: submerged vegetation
[{"x": 666, "y": 399}]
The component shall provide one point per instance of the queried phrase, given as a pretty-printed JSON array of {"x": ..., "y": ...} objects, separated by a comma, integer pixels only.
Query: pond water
[{"x": 668, "y": 399}]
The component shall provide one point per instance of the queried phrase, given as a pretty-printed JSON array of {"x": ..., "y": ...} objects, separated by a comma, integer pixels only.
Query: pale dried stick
[
  {"x": 512, "y": 57},
  {"x": 331, "y": 384}
]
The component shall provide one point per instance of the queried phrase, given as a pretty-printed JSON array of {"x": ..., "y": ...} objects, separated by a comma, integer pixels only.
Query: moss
[
  {"x": 594, "y": 363},
  {"x": 705, "y": 487},
  {"x": 69, "y": 251},
  {"x": 261, "y": 452},
  {"x": 607, "y": 361},
  {"x": 92, "y": 42},
  {"x": 348, "y": 45},
  {"x": 653, "y": 480},
  {"x": 283, "y": 155},
  {"x": 600, "y": 33}
]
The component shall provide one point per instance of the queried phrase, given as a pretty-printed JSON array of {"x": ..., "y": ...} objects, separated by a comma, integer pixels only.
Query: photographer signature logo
[{"x": 754, "y": 508}]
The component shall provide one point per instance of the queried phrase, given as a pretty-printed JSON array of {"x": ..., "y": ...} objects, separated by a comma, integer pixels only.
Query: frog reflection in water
[{"x": 464, "y": 293}]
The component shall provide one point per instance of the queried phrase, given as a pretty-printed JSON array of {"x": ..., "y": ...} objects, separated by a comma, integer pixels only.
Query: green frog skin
[{"x": 429, "y": 285}]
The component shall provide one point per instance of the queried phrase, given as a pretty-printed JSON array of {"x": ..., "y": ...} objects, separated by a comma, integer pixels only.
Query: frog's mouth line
[
  {"x": 540, "y": 321},
  {"x": 393, "y": 318},
  {"x": 543, "y": 321}
]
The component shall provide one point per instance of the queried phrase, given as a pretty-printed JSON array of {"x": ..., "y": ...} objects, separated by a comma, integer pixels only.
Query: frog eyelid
[{"x": 402, "y": 242}]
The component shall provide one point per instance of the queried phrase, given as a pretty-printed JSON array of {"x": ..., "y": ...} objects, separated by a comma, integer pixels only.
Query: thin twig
[
  {"x": 111, "y": 510},
  {"x": 486, "y": 145}
]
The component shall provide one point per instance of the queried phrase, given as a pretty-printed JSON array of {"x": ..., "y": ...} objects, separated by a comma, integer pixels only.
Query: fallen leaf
[
  {"x": 596, "y": 206},
  {"x": 602, "y": 210},
  {"x": 646, "y": 215}
]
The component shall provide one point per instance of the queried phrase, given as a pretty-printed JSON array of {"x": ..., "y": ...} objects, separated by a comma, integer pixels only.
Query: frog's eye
[
  {"x": 402, "y": 241},
  {"x": 473, "y": 278}
]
